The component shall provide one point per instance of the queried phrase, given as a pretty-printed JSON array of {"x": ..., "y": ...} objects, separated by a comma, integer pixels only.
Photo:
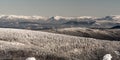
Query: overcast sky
[{"x": 60, "y": 7}]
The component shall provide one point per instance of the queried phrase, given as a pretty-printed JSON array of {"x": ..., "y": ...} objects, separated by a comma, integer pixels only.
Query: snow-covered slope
[
  {"x": 107, "y": 34},
  {"x": 16, "y": 43}
]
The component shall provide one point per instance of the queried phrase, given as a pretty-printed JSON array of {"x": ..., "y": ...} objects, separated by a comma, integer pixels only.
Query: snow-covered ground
[
  {"x": 17, "y": 43},
  {"x": 105, "y": 34}
]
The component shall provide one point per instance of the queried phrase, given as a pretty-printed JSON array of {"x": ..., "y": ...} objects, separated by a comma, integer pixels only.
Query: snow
[
  {"x": 114, "y": 17},
  {"x": 87, "y": 17},
  {"x": 107, "y": 57},
  {"x": 61, "y": 17},
  {"x": 73, "y": 28},
  {"x": 18, "y": 21},
  {"x": 50, "y": 43},
  {"x": 117, "y": 52},
  {"x": 44, "y": 18},
  {"x": 31, "y": 58},
  {"x": 22, "y": 17},
  {"x": 73, "y": 18}
]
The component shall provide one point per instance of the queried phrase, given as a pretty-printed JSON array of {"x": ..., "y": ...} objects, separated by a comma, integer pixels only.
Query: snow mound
[
  {"x": 31, "y": 58},
  {"x": 107, "y": 57}
]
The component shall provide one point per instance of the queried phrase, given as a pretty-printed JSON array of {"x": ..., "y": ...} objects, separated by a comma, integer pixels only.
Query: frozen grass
[
  {"x": 18, "y": 44},
  {"x": 105, "y": 34}
]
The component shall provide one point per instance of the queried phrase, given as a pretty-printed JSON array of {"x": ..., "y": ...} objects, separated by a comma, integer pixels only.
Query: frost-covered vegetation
[
  {"x": 16, "y": 44},
  {"x": 104, "y": 34}
]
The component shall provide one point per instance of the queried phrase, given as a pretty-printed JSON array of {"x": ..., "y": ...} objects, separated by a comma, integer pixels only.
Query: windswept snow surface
[{"x": 17, "y": 43}]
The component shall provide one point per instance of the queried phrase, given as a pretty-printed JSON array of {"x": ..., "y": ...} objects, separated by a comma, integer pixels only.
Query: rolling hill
[
  {"x": 112, "y": 34},
  {"x": 17, "y": 44}
]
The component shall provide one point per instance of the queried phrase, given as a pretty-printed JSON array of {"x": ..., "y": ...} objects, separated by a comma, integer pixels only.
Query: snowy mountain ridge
[{"x": 111, "y": 17}]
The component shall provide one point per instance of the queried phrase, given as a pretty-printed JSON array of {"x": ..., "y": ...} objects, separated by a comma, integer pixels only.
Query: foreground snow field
[{"x": 17, "y": 44}]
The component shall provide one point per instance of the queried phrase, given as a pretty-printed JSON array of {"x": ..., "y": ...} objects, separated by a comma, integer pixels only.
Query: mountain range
[{"x": 41, "y": 23}]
